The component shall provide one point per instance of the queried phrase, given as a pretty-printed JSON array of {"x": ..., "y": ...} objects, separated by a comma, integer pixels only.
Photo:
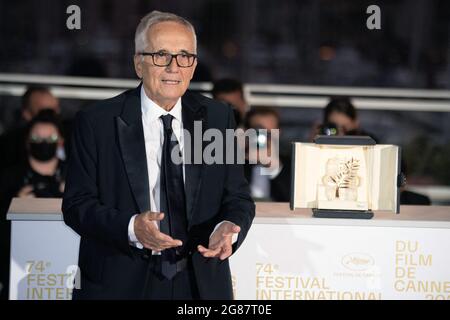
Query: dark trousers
[{"x": 182, "y": 287}]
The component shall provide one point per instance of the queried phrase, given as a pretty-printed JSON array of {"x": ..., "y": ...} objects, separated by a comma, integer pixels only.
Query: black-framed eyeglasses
[{"x": 164, "y": 59}]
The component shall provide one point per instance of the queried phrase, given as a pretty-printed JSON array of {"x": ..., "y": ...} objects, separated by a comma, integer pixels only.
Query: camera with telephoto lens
[
  {"x": 261, "y": 139},
  {"x": 45, "y": 186},
  {"x": 328, "y": 129}
]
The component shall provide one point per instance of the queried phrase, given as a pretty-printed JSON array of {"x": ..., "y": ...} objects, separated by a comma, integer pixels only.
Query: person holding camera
[
  {"x": 34, "y": 100},
  {"x": 41, "y": 176},
  {"x": 269, "y": 177},
  {"x": 340, "y": 118}
]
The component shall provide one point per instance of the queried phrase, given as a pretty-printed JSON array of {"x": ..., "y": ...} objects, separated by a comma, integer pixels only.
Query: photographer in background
[
  {"x": 276, "y": 185},
  {"x": 340, "y": 118},
  {"x": 41, "y": 176},
  {"x": 12, "y": 147}
]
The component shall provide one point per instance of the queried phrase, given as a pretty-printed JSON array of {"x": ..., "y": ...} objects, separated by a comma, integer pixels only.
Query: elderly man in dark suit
[{"x": 152, "y": 227}]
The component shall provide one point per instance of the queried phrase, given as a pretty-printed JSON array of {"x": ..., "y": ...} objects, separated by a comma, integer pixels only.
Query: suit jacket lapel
[
  {"x": 192, "y": 111},
  {"x": 132, "y": 146}
]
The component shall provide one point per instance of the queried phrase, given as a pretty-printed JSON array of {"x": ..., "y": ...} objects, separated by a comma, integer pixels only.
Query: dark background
[
  {"x": 321, "y": 43},
  {"x": 297, "y": 42}
]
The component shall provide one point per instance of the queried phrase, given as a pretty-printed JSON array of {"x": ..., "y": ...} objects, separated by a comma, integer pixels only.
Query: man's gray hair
[{"x": 153, "y": 18}]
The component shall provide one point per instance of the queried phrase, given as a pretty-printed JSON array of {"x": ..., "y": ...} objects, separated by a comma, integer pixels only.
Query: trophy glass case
[{"x": 345, "y": 177}]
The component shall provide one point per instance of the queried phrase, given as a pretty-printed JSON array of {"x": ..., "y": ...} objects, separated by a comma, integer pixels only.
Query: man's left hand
[{"x": 220, "y": 242}]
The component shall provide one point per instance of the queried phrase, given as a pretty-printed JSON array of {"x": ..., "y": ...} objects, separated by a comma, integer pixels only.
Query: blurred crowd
[{"x": 34, "y": 152}]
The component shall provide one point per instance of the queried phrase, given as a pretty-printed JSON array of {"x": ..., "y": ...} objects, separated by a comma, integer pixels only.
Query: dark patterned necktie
[{"x": 172, "y": 201}]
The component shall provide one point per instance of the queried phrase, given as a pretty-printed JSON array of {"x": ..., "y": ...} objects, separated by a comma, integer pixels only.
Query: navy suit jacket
[{"x": 107, "y": 183}]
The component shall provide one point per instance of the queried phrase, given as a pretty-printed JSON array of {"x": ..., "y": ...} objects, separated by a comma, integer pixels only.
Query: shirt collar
[{"x": 152, "y": 111}]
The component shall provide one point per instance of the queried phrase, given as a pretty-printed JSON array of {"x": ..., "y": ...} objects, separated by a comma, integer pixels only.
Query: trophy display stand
[
  {"x": 347, "y": 177},
  {"x": 342, "y": 214}
]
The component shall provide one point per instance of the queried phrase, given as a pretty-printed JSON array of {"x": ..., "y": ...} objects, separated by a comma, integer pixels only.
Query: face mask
[{"x": 43, "y": 151}]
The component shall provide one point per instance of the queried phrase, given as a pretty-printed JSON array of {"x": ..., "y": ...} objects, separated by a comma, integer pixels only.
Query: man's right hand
[{"x": 148, "y": 234}]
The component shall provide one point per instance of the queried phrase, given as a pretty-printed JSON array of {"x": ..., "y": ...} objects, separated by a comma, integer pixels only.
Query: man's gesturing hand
[
  {"x": 220, "y": 242},
  {"x": 149, "y": 235}
]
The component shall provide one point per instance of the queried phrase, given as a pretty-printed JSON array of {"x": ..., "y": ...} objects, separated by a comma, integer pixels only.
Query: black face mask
[{"x": 43, "y": 151}]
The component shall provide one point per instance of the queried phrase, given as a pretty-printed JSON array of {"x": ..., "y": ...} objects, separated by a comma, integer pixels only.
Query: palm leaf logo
[{"x": 346, "y": 175}]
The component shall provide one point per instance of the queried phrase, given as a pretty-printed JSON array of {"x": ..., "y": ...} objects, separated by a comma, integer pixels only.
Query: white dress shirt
[{"x": 154, "y": 140}]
